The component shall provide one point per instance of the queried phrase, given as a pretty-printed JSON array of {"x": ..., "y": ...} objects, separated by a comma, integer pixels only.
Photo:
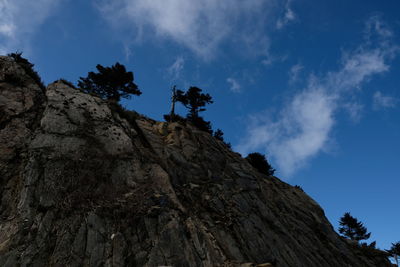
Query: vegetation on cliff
[
  {"x": 28, "y": 67},
  {"x": 88, "y": 183},
  {"x": 110, "y": 82},
  {"x": 351, "y": 228},
  {"x": 259, "y": 161}
]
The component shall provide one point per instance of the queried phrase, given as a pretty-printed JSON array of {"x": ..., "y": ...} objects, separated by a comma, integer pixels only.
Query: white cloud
[
  {"x": 176, "y": 68},
  {"x": 358, "y": 66},
  {"x": 376, "y": 27},
  {"x": 354, "y": 110},
  {"x": 202, "y": 25},
  {"x": 20, "y": 19},
  {"x": 294, "y": 72},
  {"x": 288, "y": 16},
  {"x": 7, "y": 29},
  {"x": 382, "y": 101},
  {"x": 269, "y": 59},
  {"x": 303, "y": 127},
  {"x": 234, "y": 85},
  {"x": 300, "y": 131}
]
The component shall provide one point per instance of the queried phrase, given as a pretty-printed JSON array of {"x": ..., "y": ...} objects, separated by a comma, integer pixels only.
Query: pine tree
[
  {"x": 173, "y": 101},
  {"x": 351, "y": 228},
  {"x": 194, "y": 100},
  {"x": 394, "y": 252},
  {"x": 110, "y": 82}
]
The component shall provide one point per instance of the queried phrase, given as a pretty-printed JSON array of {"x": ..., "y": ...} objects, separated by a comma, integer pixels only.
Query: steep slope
[{"x": 84, "y": 183}]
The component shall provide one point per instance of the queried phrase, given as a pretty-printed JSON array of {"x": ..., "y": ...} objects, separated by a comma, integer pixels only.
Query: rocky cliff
[{"x": 85, "y": 183}]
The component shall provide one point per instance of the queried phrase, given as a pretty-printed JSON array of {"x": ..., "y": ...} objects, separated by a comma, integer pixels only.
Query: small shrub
[
  {"x": 218, "y": 134},
  {"x": 70, "y": 84},
  {"x": 28, "y": 67},
  {"x": 370, "y": 250},
  {"x": 299, "y": 188},
  {"x": 259, "y": 162},
  {"x": 201, "y": 124},
  {"x": 129, "y": 115},
  {"x": 174, "y": 118}
]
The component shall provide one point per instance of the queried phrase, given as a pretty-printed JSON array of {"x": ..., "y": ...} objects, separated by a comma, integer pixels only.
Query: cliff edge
[{"x": 85, "y": 183}]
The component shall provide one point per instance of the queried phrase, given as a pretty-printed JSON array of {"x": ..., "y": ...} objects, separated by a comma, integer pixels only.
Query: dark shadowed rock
[{"x": 83, "y": 186}]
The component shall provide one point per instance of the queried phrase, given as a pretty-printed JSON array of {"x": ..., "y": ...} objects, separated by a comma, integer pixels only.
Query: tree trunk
[{"x": 173, "y": 101}]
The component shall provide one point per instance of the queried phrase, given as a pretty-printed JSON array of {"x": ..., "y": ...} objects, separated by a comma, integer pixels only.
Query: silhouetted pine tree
[
  {"x": 194, "y": 100},
  {"x": 394, "y": 252},
  {"x": 110, "y": 82},
  {"x": 351, "y": 228}
]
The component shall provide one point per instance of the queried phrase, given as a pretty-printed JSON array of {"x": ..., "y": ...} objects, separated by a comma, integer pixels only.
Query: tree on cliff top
[
  {"x": 394, "y": 252},
  {"x": 110, "y": 82},
  {"x": 351, "y": 228},
  {"x": 194, "y": 100}
]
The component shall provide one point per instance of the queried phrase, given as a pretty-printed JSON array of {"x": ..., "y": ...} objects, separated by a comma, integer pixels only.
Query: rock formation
[{"x": 85, "y": 183}]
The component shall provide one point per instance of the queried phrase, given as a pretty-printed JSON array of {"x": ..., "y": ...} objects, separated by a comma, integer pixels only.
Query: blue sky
[{"x": 312, "y": 84}]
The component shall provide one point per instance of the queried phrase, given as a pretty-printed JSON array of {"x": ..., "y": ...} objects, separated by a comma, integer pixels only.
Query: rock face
[{"x": 84, "y": 183}]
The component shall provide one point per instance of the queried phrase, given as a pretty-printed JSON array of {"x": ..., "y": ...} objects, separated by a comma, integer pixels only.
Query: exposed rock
[{"x": 81, "y": 185}]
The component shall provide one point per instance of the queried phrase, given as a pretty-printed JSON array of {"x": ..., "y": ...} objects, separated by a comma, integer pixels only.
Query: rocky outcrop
[{"x": 85, "y": 183}]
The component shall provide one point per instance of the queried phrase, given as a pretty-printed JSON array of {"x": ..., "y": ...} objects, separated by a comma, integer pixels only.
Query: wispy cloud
[
  {"x": 176, "y": 68},
  {"x": 294, "y": 73},
  {"x": 287, "y": 17},
  {"x": 234, "y": 85},
  {"x": 354, "y": 109},
  {"x": 376, "y": 27},
  {"x": 202, "y": 26},
  {"x": 20, "y": 19},
  {"x": 381, "y": 101},
  {"x": 299, "y": 132},
  {"x": 302, "y": 129}
]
